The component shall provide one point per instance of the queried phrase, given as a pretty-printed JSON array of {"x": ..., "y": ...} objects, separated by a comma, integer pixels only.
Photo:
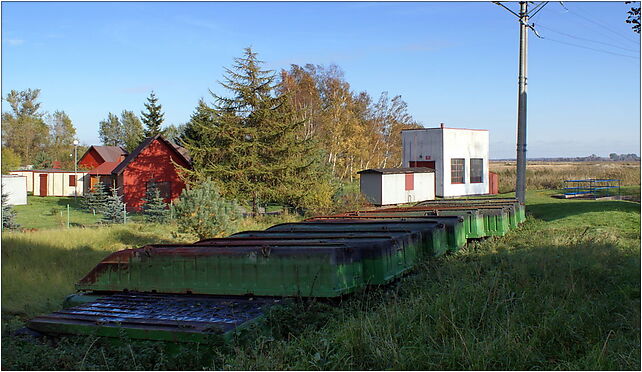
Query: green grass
[
  {"x": 39, "y": 268},
  {"x": 560, "y": 292},
  {"x": 45, "y": 213}
]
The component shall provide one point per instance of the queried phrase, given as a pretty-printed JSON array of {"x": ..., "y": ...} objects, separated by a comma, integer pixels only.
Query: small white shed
[
  {"x": 383, "y": 186},
  {"x": 16, "y": 189},
  {"x": 54, "y": 182},
  {"x": 459, "y": 157}
]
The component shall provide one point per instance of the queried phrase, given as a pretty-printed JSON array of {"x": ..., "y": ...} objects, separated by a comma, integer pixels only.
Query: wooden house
[{"x": 154, "y": 160}]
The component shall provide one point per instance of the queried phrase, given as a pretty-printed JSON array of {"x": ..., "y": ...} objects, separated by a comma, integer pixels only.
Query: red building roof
[
  {"x": 104, "y": 169},
  {"x": 107, "y": 153}
]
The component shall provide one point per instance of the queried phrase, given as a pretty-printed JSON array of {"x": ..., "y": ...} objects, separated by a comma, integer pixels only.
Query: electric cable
[
  {"x": 576, "y": 13},
  {"x": 585, "y": 39},
  {"x": 594, "y": 49}
]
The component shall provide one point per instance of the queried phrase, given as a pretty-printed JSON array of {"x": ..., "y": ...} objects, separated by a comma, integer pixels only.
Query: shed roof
[
  {"x": 398, "y": 170},
  {"x": 50, "y": 170},
  {"x": 104, "y": 169},
  {"x": 143, "y": 145},
  {"x": 108, "y": 153}
]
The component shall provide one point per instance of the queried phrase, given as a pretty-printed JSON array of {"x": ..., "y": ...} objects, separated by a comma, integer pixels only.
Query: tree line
[
  {"x": 32, "y": 136},
  {"x": 129, "y": 130},
  {"x": 291, "y": 137}
]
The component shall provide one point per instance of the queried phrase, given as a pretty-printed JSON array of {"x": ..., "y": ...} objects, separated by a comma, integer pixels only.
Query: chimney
[{"x": 441, "y": 125}]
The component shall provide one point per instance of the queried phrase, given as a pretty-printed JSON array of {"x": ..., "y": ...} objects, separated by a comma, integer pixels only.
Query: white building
[
  {"x": 458, "y": 156},
  {"x": 15, "y": 187},
  {"x": 54, "y": 182},
  {"x": 382, "y": 186}
]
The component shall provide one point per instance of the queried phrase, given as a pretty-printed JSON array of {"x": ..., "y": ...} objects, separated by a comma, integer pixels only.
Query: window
[
  {"x": 410, "y": 181},
  {"x": 456, "y": 170},
  {"x": 476, "y": 170},
  {"x": 164, "y": 188},
  {"x": 72, "y": 180}
]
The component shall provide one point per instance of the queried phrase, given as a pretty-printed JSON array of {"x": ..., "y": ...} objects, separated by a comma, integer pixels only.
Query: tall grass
[
  {"x": 541, "y": 175},
  {"x": 39, "y": 268},
  {"x": 560, "y": 292}
]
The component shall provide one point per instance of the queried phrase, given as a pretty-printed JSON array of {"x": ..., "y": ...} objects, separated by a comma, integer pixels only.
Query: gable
[
  {"x": 91, "y": 159},
  {"x": 153, "y": 148}
]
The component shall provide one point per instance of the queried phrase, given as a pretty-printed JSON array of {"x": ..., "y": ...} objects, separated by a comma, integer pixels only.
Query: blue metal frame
[{"x": 592, "y": 186}]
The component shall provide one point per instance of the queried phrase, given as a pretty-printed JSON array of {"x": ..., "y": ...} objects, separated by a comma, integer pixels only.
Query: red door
[{"x": 43, "y": 185}]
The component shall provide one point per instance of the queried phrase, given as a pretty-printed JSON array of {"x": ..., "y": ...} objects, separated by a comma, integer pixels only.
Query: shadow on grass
[
  {"x": 74, "y": 204},
  {"x": 555, "y": 211},
  {"x": 37, "y": 276}
]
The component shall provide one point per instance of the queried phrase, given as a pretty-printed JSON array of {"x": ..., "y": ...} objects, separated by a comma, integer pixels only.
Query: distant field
[
  {"x": 551, "y": 175},
  {"x": 562, "y": 292}
]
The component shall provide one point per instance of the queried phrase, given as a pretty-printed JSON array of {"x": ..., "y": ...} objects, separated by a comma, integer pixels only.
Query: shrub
[
  {"x": 8, "y": 215},
  {"x": 95, "y": 199},
  {"x": 113, "y": 211},
  {"x": 154, "y": 207},
  {"x": 201, "y": 210}
]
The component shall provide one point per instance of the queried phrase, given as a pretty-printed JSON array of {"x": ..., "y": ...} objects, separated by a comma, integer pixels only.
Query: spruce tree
[
  {"x": 252, "y": 147},
  {"x": 113, "y": 208},
  {"x": 8, "y": 215},
  {"x": 153, "y": 118},
  {"x": 42, "y": 161},
  {"x": 154, "y": 208},
  {"x": 201, "y": 210},
  {"x": 95, "y": 199}
]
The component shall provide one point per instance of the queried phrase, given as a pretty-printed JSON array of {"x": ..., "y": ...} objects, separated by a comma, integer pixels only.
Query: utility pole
[
  {"x": 76, "y": 169},
  {"x": 522, "y": 16},
  {"x": 520, "y": 187}
]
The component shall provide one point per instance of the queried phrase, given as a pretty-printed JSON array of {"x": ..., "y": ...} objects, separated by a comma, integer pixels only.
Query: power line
[
  {"x": 576, "y": 13},
  {"x": 585, "y": 39},
  {"x": 594, "y": 49},
  {"x": 536, "y": 10}
]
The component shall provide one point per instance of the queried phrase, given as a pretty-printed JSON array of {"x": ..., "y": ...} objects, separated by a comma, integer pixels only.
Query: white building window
[
  {"x": 456, "y": 170},
  {"x": 476, "y": 170}
]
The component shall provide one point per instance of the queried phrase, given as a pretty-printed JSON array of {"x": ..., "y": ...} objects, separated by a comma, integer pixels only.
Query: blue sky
[{"x": 452, "y": 62}]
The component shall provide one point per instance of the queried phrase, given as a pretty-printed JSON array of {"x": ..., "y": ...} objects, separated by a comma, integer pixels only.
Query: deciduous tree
[
  {"x": 132, "y": 130},
  {"x": 23, "y": 129},
  {"x": 62, "y": 135},
  {"x": 10, "y": 160},
  {"x": 111, "y": 131}
]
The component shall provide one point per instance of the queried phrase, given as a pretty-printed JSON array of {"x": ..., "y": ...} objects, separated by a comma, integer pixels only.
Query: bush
[
  {"x": 8, "y": 215},
  {"x": 95, "y": 199},
  {"x": 154, "y": 209},
  {"x": 201, "y": 210},
  {"x": 113, "y": 211}
]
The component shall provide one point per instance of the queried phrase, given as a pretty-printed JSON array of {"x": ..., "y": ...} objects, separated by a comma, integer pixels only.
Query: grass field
[
  {"x": 551, "y": 175},
  {"x": 560, "y": 292}
]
